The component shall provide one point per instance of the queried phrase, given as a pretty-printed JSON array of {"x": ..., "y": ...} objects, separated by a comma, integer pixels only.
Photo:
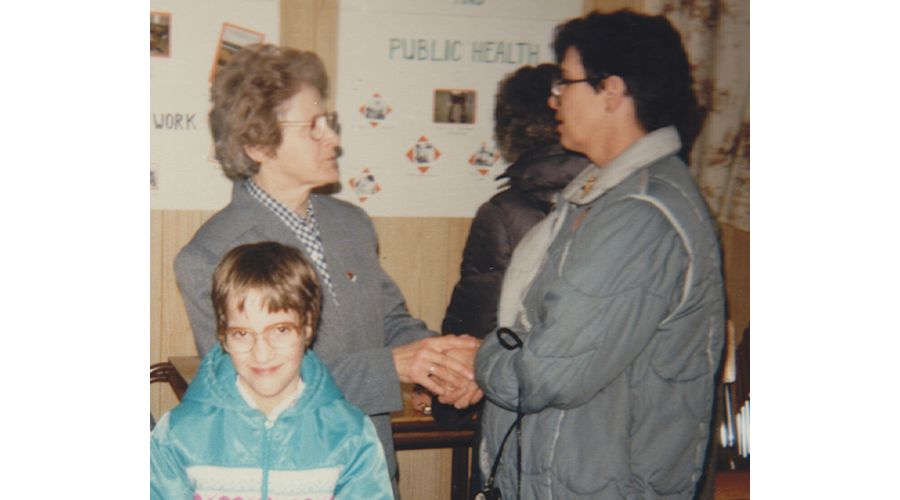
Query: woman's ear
[
  {"x": 257, "y": 153},
  {"x": 616, "y": 91}
]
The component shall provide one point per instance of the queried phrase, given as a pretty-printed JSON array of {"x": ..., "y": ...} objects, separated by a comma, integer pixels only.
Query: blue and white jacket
[{"x": 214, "y": 445}]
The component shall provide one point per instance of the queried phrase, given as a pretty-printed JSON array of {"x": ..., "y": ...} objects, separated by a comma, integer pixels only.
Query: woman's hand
[
  {"x": 462, "y": 398},
  {"x": 427, "y": 362},
  {"x": 468, "y": 394}
]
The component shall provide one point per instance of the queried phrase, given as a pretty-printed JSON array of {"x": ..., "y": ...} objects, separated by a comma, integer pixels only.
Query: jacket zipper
[{"x": 265, "y": 459}]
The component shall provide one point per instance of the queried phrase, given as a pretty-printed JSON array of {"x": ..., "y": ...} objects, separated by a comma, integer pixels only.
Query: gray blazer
[{"x": 355, "y": 334}]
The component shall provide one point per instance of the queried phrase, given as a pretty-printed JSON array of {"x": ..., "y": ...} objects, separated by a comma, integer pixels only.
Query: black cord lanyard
[
  {"x": 490, "y": 481},
  {"x": 515, "y": 343}
]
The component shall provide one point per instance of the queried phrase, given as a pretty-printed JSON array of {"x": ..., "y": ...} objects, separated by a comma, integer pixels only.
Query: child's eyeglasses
[{"x": 279, "y": 336}]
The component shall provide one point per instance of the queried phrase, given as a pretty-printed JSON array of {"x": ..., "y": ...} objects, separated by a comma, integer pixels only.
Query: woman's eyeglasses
[
  {"x": 559, "y": 83},
  {"x": 318, "y": 125}
]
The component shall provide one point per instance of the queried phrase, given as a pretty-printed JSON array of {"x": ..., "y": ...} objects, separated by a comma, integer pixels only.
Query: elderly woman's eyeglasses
[
  {"x": 318, "y": 125},
  {"x": 279, "y": 336}
]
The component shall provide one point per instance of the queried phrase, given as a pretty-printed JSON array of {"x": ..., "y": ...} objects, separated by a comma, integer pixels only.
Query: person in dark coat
[{"x": 525, "y": 130}]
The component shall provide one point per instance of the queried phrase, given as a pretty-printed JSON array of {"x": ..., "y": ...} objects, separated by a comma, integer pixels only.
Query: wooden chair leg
[{"x": 459, "y": 477}]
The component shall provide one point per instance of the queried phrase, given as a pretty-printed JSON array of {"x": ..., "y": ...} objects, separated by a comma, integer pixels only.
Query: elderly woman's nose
[{"x": 331, "y": 138}]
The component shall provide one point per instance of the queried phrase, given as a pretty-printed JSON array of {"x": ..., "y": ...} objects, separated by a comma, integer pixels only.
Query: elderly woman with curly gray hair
[{"x": 278, "y": 144}]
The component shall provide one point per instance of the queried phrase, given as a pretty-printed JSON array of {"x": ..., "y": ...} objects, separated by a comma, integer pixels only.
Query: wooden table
[
  {"x": 412, "y": 430},
  {"x": 416, "y": 431}
]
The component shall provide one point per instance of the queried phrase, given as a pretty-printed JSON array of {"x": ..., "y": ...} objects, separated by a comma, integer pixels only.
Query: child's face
[{"x": 270, "y": 373}]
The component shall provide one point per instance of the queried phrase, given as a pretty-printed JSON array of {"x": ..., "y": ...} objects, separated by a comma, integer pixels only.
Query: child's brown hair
[{"x": 281, "y": 275}]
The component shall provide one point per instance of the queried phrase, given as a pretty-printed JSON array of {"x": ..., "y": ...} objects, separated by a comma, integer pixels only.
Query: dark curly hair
[
  {"x": 648, "y": 54},
  {"x": 247, "y": 95},
  {"x": 522, "y": 119}
]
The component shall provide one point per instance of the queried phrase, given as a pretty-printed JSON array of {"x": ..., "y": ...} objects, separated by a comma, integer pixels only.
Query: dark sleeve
[
  {"x": 451, "y": 418},
  {"x": 473, "y": 304}
]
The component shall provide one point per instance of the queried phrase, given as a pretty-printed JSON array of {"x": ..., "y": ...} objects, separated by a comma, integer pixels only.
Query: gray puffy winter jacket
[{"x": 622, "y": 330}]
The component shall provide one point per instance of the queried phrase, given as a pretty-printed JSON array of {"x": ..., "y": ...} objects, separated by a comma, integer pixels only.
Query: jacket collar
[
  {"x": 260, "y": 216},
  {"x": 215, "y": 384},
  {"x": 284, "y": 405},
  {"x": 547, "y": 167},
  {"x": 594, "y": 181}
]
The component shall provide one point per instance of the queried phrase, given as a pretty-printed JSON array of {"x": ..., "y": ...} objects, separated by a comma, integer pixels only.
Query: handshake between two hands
[{"x": 443, "y": 365}]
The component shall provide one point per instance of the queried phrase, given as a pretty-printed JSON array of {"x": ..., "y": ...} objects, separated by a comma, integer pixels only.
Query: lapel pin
[{"x": 588, "y": 185}]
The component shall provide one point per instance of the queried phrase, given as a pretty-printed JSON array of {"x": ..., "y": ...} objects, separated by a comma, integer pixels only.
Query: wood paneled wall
[
  {"x": 736, "y": 267},
  {"x": 313, "y": 25}
]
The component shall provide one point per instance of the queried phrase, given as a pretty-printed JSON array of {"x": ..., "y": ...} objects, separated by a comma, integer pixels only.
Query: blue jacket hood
[{"x": 214, "y": 384}]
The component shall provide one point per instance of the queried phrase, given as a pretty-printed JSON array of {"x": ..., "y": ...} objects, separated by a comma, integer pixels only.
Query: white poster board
[
  {"x": 186, "y": 41},
  {"x": 415, "y": 97},
  {"x": 415, "y": 94}
]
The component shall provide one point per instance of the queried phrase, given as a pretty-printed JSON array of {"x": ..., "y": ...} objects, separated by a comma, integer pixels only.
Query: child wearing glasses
[{"x": 263, "y": 417}]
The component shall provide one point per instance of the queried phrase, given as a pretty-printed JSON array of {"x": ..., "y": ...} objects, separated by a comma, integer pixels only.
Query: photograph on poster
[
  {"x": 364, "y": 185},
  {"x": 159, "y": 33},
  {"x": 154, "y": 176},
  {"x": 232, "y": 39},
  {"x": 484, "y": 157},
  {"x": 454, "y": 106},
  {"x": 424, "y": 152},
  {"x": 375, "y": 109}
]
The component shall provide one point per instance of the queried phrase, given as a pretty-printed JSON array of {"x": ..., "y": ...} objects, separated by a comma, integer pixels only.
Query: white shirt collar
[{"x": 287, "y": 403}]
